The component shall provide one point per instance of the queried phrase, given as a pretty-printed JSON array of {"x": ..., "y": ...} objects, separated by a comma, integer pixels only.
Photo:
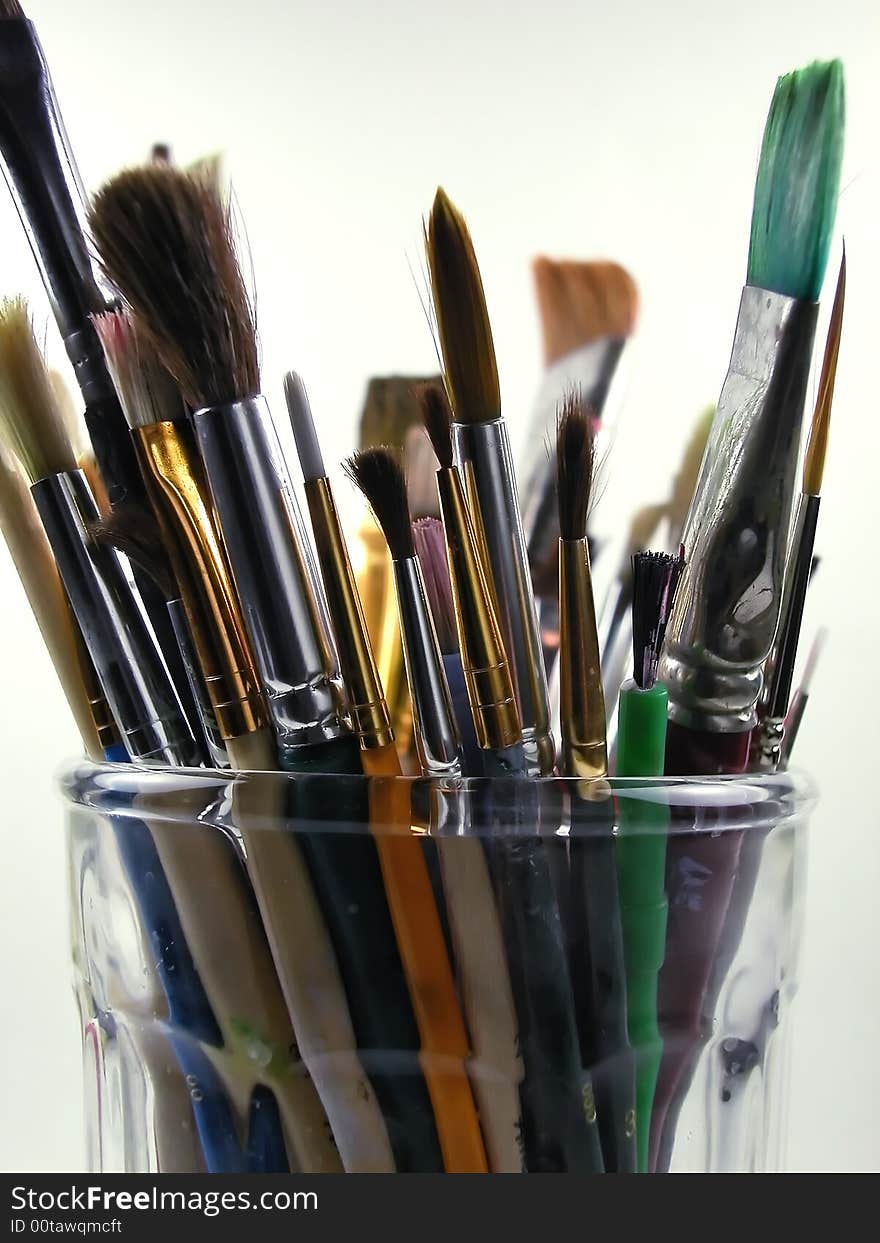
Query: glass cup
[{"x": 322, "y": 973}]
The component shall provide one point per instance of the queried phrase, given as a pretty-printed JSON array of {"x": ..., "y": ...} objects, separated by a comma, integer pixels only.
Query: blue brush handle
[{"x": 116, "y": 754}]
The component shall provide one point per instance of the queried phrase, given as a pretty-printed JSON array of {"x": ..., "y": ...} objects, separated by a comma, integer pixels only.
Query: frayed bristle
[
  {"x": 165, "y": 238},
  {"x": 430, "y": 545},
  {"x": 146, "y": 391},
  {"x": 462, "y": 317},
  {"x": 575, "y": 466},
  {"x": 817, "y": 444},
  {"x": 582, "y": 302},
  {"x": 379, "y": 475},
  {"x": 32, "y": 421},
  {"x": 134, "y": 531},
  {"x": 798, "y": 181},
  {"x": 437, "y": 414},
  {"x": 655, "y": 580}
]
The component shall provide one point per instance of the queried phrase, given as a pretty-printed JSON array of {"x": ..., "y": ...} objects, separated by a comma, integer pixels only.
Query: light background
[{"x": 575, "y": 128}]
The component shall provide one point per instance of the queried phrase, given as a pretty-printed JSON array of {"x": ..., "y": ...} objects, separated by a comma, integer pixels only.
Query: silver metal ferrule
[
  {"x": 728, "y": 603},
  {"x": 483, "y": 453},
  {"x": 436, "y": 734},
  {"x": 272, "y": 570},
  {"x": 590, "y": 371},
  {"x": 111, "y": 617}
]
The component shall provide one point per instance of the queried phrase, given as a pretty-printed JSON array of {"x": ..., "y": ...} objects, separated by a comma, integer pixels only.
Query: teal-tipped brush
[{"x": 736, "y": 532}]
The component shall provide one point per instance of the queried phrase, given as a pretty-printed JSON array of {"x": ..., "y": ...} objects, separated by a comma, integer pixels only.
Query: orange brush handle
[{"x": 444, "y": 1042}]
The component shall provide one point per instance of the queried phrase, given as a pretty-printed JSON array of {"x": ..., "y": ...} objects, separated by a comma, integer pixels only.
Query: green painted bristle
[{"x": 797, "y": 183}]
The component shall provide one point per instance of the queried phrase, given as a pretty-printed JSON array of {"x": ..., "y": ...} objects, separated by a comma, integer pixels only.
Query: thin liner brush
[
  {"x": 176, "y": 483},
  {"x": 641, "y": 849},
  {"x": 730, "y": 598},
  {"x": 483, "y": 452},
  {"x": 378, "y": 475},
  {"x": 133, "y": 676},
  {"x": 41, "y": 172},
  {"x": 801, "y": 696},
  {"x": 407, "y": 882},
  {"x": 770, "y": 732},
  {"x": 594, "y": 912}
]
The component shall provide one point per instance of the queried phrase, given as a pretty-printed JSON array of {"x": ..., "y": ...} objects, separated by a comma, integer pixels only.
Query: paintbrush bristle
[
  {"x": 797, "y": 182},
  {"x": 430, "y": 545},
  {"x": 575, "y": 466},
  {"x": 438, "y": 420},
  {"x": 462, "y": 318},
  {"x": 165, "y": 238},
  {"x": 10, "y": 8},
  {"x": 146, "y": 391},
  {"x": 582, "y": 302},
  {"x": 655, "y": 579},
  {"x": 32, "y": 421},
  {"x": 379, "y": 475},
  {"x": 817, "y": 444},
  {"x": 133, "y": 531}
]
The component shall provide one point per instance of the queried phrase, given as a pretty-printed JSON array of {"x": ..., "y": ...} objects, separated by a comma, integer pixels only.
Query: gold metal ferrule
[
  {"x": 367, "y": 707},
  {"x": 487, "y": 674},
  {"x": 179, "y": 494},
  {"x": 582, "y": 702}
]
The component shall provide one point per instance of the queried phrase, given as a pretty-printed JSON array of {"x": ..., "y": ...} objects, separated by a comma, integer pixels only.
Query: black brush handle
[{"x": 331, "y": 824}]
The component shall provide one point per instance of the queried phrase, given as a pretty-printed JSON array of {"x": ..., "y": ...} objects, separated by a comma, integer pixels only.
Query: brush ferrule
[
  {"x": 484, "y": 660},
  {"x": 728, "y": 604},
  {"x": 582, "y": 702},
  {"x": 366, "y": 706},
  {"x": 436, "y": 735},
  {"x": 271, "y": 570},
  {"x": 179, "y": 493},
  {"x": 483, "y": 453},
  {"x": 590, "y": 371},
  {"x": 109, "y": 613}
]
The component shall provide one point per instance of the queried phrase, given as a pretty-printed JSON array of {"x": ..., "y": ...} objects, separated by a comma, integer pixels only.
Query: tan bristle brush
[
  {"x": 483, "y": 452},
  {"x": 588, "y": 313},
  {"x": 175, "y": 484}
]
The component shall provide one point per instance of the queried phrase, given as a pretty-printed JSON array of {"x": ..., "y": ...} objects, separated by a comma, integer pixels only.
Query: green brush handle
[{"x": 641, "y": 871}]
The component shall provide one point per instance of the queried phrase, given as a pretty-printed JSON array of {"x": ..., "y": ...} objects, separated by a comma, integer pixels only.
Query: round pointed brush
[{"x": 483, "y": 452}]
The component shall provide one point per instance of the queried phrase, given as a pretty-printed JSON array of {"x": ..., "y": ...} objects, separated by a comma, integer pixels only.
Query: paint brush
[
  {"x": 779, "y": 670},
  {"x": 730, "y": 598},
  {"x": 594, "y": 913},
  {"x": 379, "y": 476},
  {"x": 483, "y": 453},
  {"x": 108, "y": 611},
  {"x": 47, "y": 189}
]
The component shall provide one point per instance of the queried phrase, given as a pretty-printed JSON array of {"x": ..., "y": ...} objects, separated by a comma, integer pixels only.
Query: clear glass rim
[{"x": 685, "y": 804}]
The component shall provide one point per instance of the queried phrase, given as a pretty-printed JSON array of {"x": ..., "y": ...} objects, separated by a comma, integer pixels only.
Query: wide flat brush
[
  {"x": 483, "y": 453},
  {"x": 588, "y": 313},
  {"x": 729, "y": 602}
]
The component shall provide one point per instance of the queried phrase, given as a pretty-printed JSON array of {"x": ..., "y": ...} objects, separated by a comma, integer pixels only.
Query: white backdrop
[{"x": 571, "y": 127}]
